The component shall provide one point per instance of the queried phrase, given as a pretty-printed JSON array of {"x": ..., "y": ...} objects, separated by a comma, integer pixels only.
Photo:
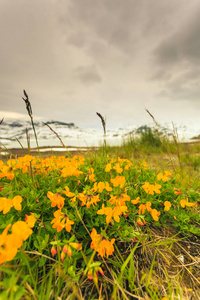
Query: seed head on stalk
[
  {"x": 30, "y": 113},
  {"x": 28, "y": 105}
]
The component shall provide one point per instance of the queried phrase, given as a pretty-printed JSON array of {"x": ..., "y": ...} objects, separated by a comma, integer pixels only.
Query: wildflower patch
[{"x": 61, "y": 206}]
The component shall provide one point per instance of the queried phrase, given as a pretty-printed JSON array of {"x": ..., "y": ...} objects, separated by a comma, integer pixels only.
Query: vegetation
[{"x": 116, "y": 223}]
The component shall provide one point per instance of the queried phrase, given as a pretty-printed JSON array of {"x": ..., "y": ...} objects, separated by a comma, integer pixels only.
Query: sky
[{"x": 116, "y": 57}]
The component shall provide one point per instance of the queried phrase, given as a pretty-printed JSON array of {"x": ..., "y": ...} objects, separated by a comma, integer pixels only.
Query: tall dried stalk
[
  {"x": 30, "y": 113},
  {"x": 57, "y": 136},
  {"x": 162, "y": 140},
  {"x": 103, "y": 121}
]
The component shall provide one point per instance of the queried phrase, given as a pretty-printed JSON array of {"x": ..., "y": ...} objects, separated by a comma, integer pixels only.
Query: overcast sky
[{"x": 117, "y": 57}]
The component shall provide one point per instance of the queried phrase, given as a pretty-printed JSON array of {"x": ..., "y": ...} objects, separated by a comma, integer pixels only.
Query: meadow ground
[{"x": 108, "y": 223}]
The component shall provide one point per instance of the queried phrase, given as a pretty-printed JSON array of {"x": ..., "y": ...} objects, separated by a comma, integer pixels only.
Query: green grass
[{"x": 145, "y": 262}]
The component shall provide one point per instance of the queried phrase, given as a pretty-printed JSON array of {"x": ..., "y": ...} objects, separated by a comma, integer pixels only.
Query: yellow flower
[
  {"x": 142, "y": 209},
  {"x": 157, "y": 188},
  {"x": 185, "y": 203},
  {"x": 68, "y": 224},
  {"x": 167, "y": 205},
  {"x": 108, "y": 168},
  {"x": 118, "y": 181},
  {"x": 106, "y": 211},
  {"x": 144, "y": 165},
  {"x": 91, "y": 175},
  {"x": 164, "y": 177},
  {"x": 68, "y": 193},
  {"x": 76, "y": 246},
  {"x": 5, "y": 205},
  {"x": 148, "y": 206},
  {"x": 109, "y": 212},
  {"x": 150, "y": 188},
  {"x": 117, "y": 211},
  {"x": 118, "y": 168},
  {"x": 21, "y": 230},
  {"x": 155, "y": 214},
  {"x": 100, "y": 186},
  {"x": 17, "y": 202},
  {"x": 136, "y": 201}
]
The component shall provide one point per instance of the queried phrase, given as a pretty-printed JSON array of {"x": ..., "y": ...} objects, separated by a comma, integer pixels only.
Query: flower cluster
[
  {"x": 74, "y": 197},
  {"x": 103, "y": 246}
]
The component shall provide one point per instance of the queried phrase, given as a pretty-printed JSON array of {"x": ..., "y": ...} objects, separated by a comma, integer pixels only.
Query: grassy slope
[{"x": 165, "y": 260}]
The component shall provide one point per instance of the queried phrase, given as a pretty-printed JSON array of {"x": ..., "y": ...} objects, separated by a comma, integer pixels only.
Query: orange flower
[
  {"x": 56, "y": 199},
  {"x": 67, "y": 249},
  {"x": 103, "y": 247},
  {"x": 62, "y": 256},
  {"x": 140, "y": 222},
  {"x": 106, "y": 248},
  {"x": 93, "y": 274},
  {"x": 68, "y": 224},
  {"x": 88, "y": 199},
  {"x": 118, "y": 181},
  {"x": 95, "y": 238},
  {"x": 30, "y": 220},
  {"x": 53, "y": 251},
  {"x": 178, "y": 192},
  {"x": 109, "y": 212},
  {"x": 68, "y": 193},
  {"x": 120, "y": 199},
  {"x": 61, "y": 221}
]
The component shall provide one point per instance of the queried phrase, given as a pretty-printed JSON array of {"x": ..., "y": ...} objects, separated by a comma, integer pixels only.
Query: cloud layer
[{"x": 117, "y": 57}]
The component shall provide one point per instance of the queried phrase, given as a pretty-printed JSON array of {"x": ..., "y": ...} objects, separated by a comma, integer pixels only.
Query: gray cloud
[
  {"x": 183, "y": 45},
  {"x": 177, "y": 59},
  {"x": 88, "y": 75},
  {"x": 77, "y": 57}
]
